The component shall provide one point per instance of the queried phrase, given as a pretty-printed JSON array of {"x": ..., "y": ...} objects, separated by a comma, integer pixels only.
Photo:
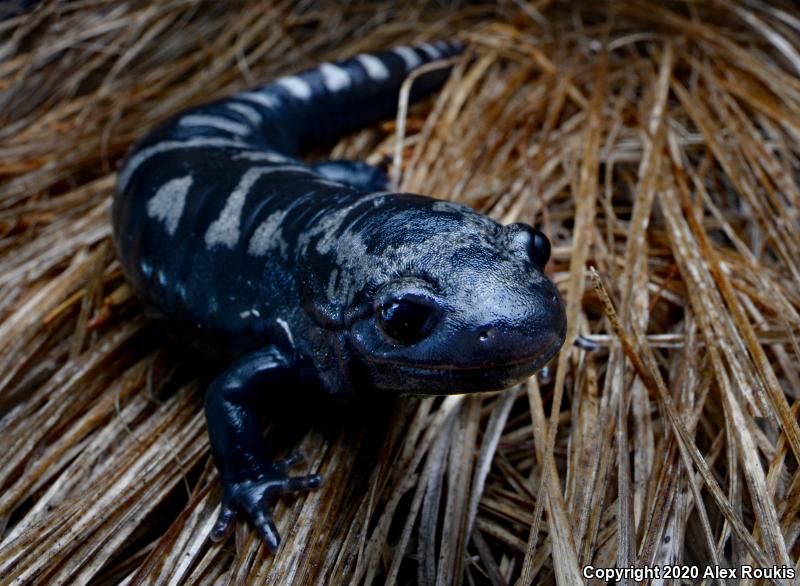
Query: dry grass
[{"x": 657, "y": 142}]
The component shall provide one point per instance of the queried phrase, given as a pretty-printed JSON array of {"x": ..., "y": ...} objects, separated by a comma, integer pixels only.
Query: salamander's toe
[
  {"x": 266, "y": 528},
  {"x": 224, "y": 524},
  {"x": 255, "y": 497},
  {"x": 303, "y": 482},
  {"x": 289, "y": 461}
]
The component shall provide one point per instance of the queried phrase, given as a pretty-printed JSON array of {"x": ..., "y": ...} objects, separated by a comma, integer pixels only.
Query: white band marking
[
  {"x": 265, "y": 237},
  {"x": 432, "y": 51},
  {"x": 217, "y": 122},
  {"x": 268, "y": 156},
  {"x": 260, "y": 97},
  {"x": 171, "y": 145},
  {"x": 376, "y": 69},
  {"x": 225, "y": 229},
  {"x": 334, "y": 77},
  {"x": 168, "y": 202},
  {"x": 251, "y": 114},
  {"x": 296, "y": 86},
  {"x": 409, "y": 55}
]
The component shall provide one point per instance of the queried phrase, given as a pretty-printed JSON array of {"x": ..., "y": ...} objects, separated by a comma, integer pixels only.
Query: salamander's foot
[{"x": 254, "y": 497}]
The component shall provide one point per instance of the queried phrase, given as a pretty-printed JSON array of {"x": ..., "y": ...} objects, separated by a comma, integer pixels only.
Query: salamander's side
[{"x": 210, "y": 205}]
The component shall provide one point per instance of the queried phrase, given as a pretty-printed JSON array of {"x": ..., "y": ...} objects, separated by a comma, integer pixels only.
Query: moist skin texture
[{"x": 314, "y": 273}]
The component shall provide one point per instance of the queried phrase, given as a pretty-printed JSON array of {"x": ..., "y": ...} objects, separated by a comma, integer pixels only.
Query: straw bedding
[{"x": 655, "y": 142}]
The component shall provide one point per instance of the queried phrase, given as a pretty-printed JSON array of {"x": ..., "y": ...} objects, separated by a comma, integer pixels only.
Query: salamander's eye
[
  {"x": 406, "y": 320},
  {"x": 540, "y": 249},
  {"x": 526, "y": 241}
]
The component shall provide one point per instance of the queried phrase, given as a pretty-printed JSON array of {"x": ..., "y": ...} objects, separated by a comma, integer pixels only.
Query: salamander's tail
[{"x": 318, "y": 105}]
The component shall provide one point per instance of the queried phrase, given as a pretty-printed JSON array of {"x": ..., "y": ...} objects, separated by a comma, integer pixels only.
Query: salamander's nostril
[{"x": 486, "y": 334}]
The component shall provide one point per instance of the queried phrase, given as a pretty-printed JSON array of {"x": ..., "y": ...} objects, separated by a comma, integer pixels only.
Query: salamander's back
[{"x": 199, "y": 199}]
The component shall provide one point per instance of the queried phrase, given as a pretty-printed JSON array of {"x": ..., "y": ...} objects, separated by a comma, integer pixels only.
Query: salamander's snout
[
  {"x": 540, "y": 330},
  {"x": 519, "y": 325}
]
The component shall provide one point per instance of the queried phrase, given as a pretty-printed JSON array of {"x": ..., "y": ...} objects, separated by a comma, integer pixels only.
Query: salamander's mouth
[
  {"x": 448, "y": 368},
  {"x": 458, "y": 380},
  {"x": 426, "y": 379}
]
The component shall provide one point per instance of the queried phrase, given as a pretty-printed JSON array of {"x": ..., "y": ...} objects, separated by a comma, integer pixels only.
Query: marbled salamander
[{"x": 311, "y": 273}]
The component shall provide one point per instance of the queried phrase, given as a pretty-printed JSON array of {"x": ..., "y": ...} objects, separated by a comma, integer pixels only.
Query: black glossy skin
[{"x": 298, "y": 272}]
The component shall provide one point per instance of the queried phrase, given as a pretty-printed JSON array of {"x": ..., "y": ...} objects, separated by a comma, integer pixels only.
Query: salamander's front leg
[
  {"x": 250, "y": 480},
  {"x": 357, "y": 174}
]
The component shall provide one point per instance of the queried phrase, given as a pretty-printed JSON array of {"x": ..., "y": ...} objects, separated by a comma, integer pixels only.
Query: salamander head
[{"x": 451, "y": 301}]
